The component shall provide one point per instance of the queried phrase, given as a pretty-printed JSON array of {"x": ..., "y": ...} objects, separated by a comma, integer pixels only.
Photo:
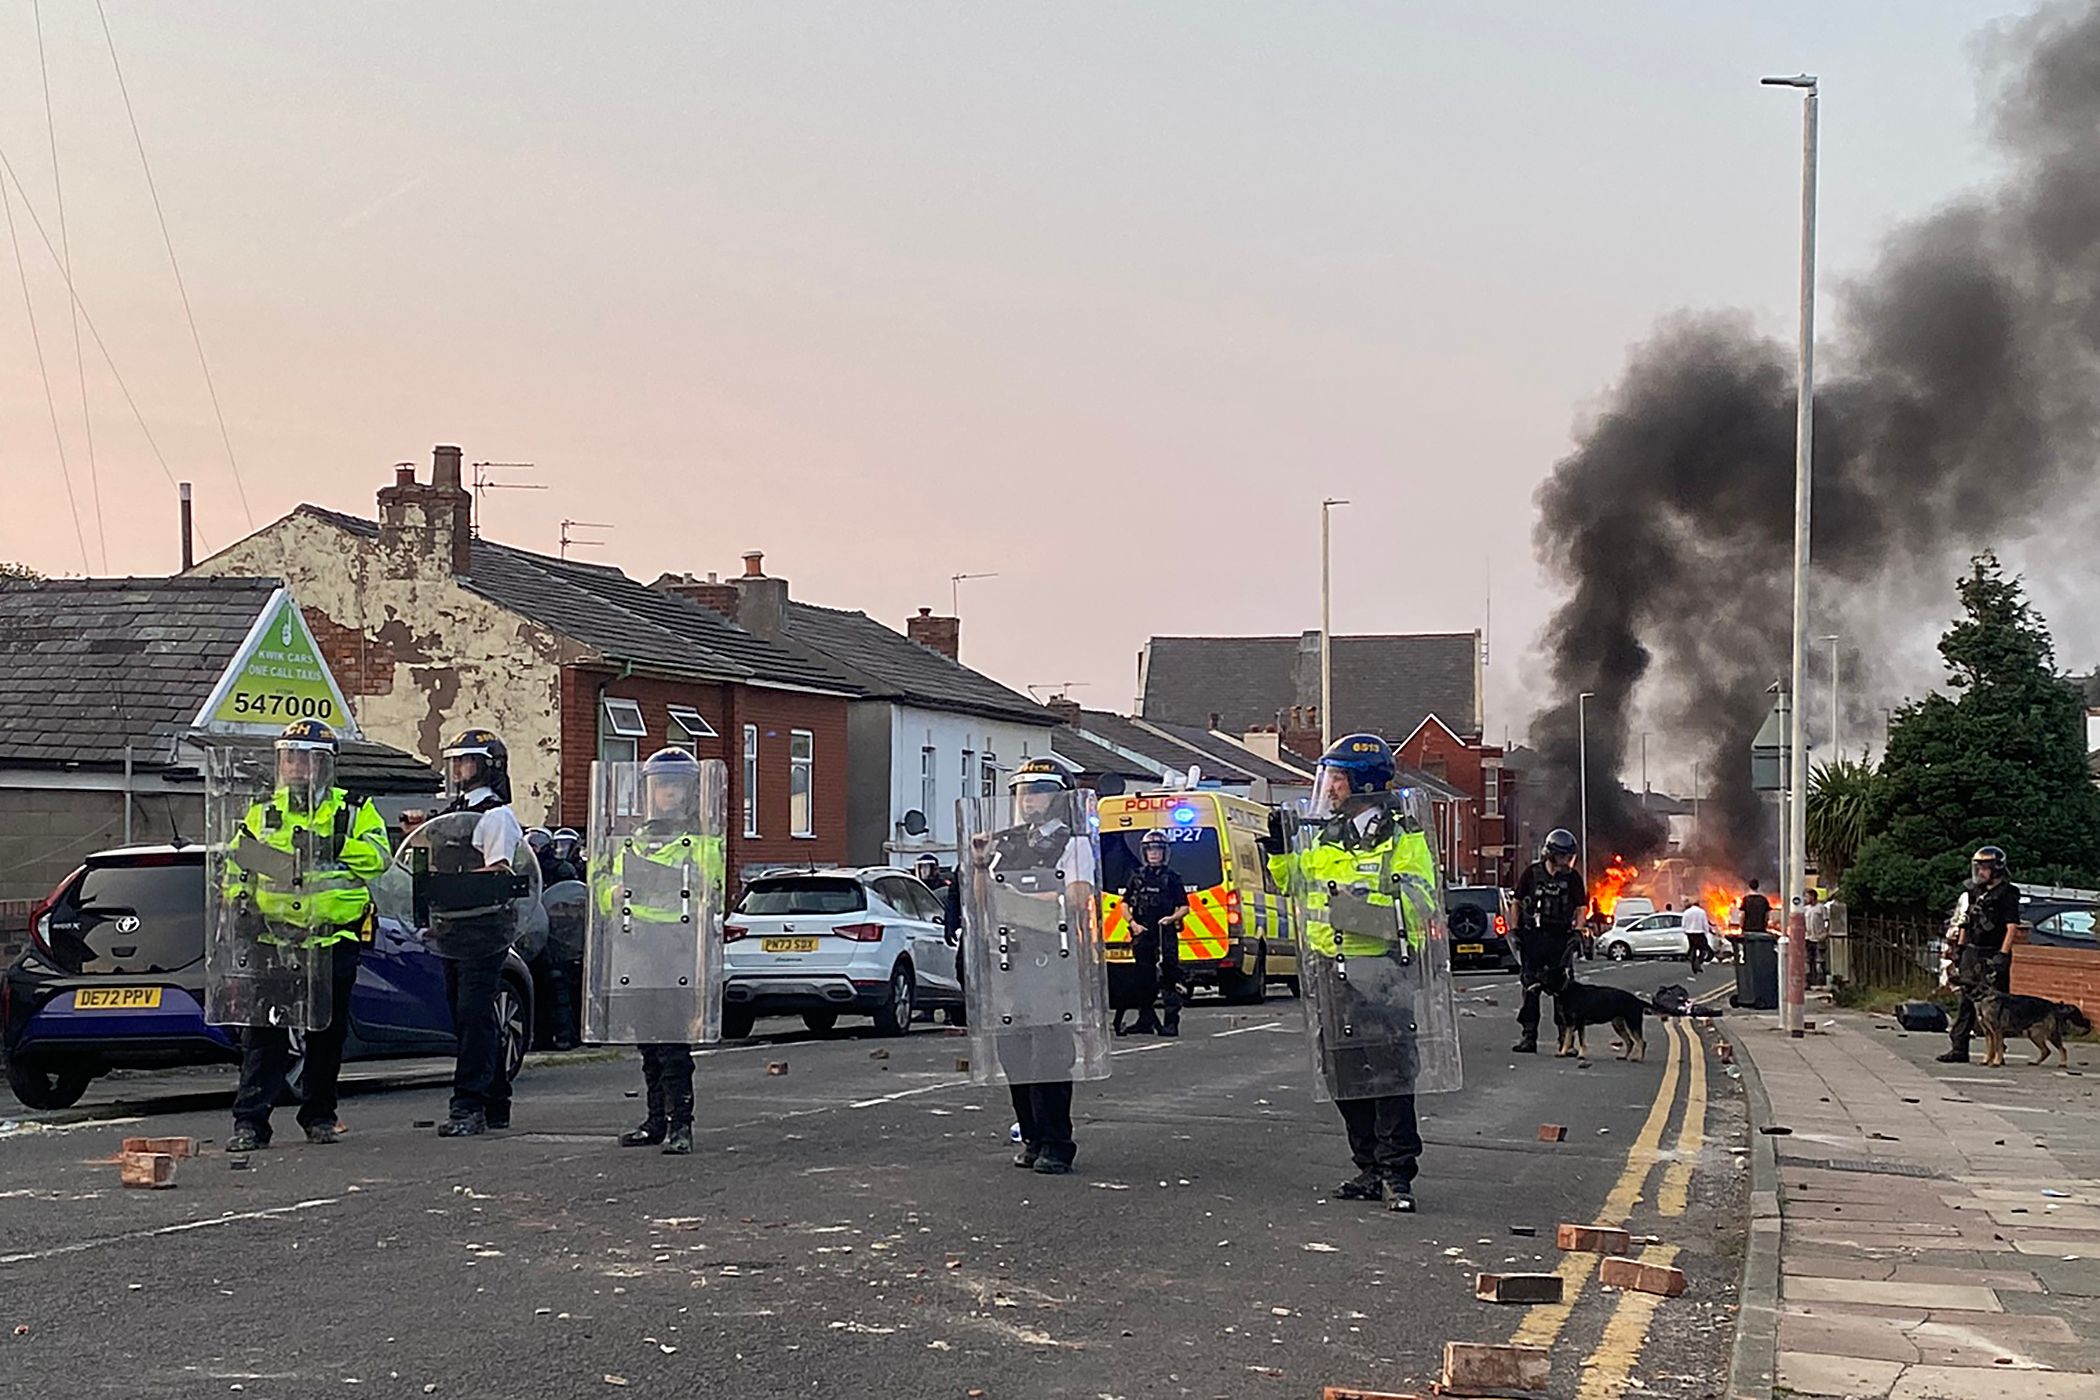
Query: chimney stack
[
  {"x": 941, "y": 634},
  {"x": 1065, "y": 708},
  {"x": 189, "y": 553},
  {"x": 710, "y": 593},
  {"x": 433, "y": 523}
]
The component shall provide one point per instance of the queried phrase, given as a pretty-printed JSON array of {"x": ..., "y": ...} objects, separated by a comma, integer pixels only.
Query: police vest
[
  {"x": 1030, "y": 858},
  {"x": 308, "y": 870},
  {"x": 1550, "y": 906},
  {"x": 1147, "y": 897},
  {"x": 1390, "y": 869},
  {"x": 658, "y": 875}
]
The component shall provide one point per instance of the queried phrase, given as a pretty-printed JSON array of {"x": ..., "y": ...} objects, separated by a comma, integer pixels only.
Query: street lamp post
[
  {"x": 1326, "y": 626},
  {"x": 1582, "y": 745},
  {"x": 1793, "y": 982}
]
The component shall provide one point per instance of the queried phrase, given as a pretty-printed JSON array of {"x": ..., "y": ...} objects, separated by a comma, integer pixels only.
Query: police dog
[
  {"x": 1577, "y": 1005},
  {"x": 2042, "y": 1021}
]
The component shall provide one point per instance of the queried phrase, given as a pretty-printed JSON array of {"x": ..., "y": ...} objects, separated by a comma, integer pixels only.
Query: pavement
[
  {"x": 1936, "y": 1227},
  {"x": 854, "y": 1224}
]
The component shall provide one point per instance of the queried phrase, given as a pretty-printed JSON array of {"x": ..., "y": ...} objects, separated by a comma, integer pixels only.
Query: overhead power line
[
  {"x": 65, "y": 248},
  {"x": 28, "y": 305}
]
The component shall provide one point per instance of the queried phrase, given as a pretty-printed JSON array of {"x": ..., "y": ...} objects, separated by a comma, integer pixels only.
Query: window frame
[
  {"x": 929, "y": 782},
  {"x": 681, "y": 722},
  {"x": 802, "y": 826},
  {"x": 616, "y": 713},
  {"x": 750, "y": 772},
  {"x": 1491, "y": 790},
  {"x": 987, "y": 774}
]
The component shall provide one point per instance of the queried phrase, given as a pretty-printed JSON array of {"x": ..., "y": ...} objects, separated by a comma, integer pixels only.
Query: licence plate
[
  {"x": 116, "y": 999},
  {"x": 1472, "y": 948},
  {"x": 787, "y": 945},
  {"x": 1121, "y": 953}
]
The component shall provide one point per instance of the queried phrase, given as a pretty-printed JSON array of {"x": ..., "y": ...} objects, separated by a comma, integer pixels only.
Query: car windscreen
[
  {"x": 803, "y": 894},
  {"x": 1192, "y": 852}
]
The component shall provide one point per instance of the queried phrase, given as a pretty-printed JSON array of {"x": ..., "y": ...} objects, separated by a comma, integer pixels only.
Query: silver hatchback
[{"x": 825, "y": 943}]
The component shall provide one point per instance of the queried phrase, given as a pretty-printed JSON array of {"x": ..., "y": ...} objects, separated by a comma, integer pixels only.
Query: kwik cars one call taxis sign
[{"x": 277, "y": 676}]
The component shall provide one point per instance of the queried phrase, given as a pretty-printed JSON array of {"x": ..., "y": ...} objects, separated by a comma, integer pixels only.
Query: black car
[
  {"x": 114, "y": 978},
  {"x": 1478, "y": 919}
]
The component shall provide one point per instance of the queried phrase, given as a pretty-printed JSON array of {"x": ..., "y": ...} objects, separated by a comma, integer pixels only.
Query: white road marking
[
  {"x": 1242, "y": 1030},
  {"x": 79, "y": 1246},
  {"x": 907, "y": 1093},
  {"x": 1145, "y": 1049}
]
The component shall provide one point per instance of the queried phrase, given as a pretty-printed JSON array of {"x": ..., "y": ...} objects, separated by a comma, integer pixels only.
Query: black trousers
[
  {"x": 1045, "y": 1114},
  {"x": 1975, "y": 969},
  {"x": 479, "y": 1084},
  {"x": 1384, "y": 1136},
  {"x": 1537, "y": 954},
  {"x": 266, "y": 1057},
  {"x": 667, "y": 1070},
  {"x": 1155, "y": 981}
]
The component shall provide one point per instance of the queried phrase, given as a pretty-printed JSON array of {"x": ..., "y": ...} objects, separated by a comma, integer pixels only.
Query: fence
[{"x": 1897, "y": 953}]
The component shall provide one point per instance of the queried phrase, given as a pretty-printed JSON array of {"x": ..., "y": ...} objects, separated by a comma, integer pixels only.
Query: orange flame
[
  {"x": 1719, "y": 902},
  {"x": 1607, "y": 887}
]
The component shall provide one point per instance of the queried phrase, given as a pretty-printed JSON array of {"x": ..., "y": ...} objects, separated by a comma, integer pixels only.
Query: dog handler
[
  {"x": 1550, "y": 898},
  {"x": 1985, "y": 940}
]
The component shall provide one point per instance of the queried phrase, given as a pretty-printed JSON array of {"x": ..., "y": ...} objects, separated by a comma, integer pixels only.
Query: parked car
[
  {"x": 1649, "y": 936},
  {"x": 114, "y": 978},
  {"x": 1478, "y": 917},
  {"x": 826, "y": 943}
]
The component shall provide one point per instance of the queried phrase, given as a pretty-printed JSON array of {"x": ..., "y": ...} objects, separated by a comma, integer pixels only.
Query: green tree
[
  {"x": 1840, "y": 813},
  {"x": 2001, "y": 760}
]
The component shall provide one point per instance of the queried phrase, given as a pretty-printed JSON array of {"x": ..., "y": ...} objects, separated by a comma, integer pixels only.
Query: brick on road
[
  {"x": 1642, "y": 1278},
  {"x": 151, "y": 1171},
  {"x": 1488, "y": 1368},
  {"x": 1593, "y": 1239}
]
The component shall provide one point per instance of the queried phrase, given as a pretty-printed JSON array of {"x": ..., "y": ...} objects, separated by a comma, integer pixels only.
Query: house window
[
  {"x": 1491, "y": 793},
  {"x": 688, "y": 728},
  {"x": 988, "y": 776},
  {"x": 929, "y": 783},
  {"x": 802, "y": 764},
  {"x": 750, "y": 780},
  {"x": 624, "y": 719}
]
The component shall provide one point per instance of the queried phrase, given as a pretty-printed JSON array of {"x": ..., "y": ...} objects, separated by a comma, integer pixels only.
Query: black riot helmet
[
  {"x": 306, "y": 752},
  {"x": 1988, "y": 864},
  {"x": 1560, "y": 844},
  {"x": 477, "y": 758},
  {"x": 928, "y": 868},
  {"x": 1154, "y": 844}
]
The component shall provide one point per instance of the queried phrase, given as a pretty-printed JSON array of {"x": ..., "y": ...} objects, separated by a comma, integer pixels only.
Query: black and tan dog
[
  {"x": 2001, "y": 1015},
  {"x": 1578, "y": 1005}
]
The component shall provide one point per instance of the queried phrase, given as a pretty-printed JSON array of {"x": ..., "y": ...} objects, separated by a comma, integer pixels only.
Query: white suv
[{"x": 820, "y": 943}]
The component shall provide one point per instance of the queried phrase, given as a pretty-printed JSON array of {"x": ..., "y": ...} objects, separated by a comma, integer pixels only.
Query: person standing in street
[
  {"x": 1356, "y": 874},
  {"x": 1756, "y": 912},
  {"x": 1815, "y": 921},
  {"x": 660, "y": 864},
  {"x": 1697, "y": 935},
  {"x": 478, "y": 774},
  {"x": 1157, "y": 902},
  {"x": 1983, "y": 957},
  {"x": 1550, "y": 898},
  {"x": 328, "y": 849}
]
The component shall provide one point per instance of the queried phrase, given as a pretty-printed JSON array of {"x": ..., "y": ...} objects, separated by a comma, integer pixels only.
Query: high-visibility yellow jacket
[
  {"x": 647, "y": 874},
  {"x": 1397, "y": 871},
  {"x": 308, "y": 870}
]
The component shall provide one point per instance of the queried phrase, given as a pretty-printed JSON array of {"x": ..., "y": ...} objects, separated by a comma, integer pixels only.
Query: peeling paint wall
[{"x": 418, "y": 656}]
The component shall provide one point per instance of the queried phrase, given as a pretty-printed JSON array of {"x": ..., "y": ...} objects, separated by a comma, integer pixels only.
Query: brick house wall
[
  {"x": 2060, "y": 974},
  {"x": 1465, "y": 765},
  {"x": 728, "y": 708}
]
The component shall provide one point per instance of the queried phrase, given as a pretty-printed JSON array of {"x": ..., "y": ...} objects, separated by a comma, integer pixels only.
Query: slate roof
[
  {"x": 1089, "y": 757},
  {"x": 1382, "y": 684},
  {"x": 89, "y": 665},
  {"x": 605, "y": 610},
  {"x": 1226, "y": 751},
  {"x": 889, "y": 665},
  {"x": 1169, "y": 752}
]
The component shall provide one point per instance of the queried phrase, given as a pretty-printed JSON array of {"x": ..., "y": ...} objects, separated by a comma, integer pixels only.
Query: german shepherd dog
[
  {"x": 2042, "y": 1021},
  {"x": 1577, "y": 1005}
]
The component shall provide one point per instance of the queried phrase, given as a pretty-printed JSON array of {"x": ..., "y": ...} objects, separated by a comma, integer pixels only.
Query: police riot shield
[
  {"x": 1374, "y": 954},
  {"x": 263, "y": 868},
  {"x": 1034, "y": 974},
  {"x": 653, "y": 966},
  {"x": 567, "y": 903},
  {"x": 443, "y": 884}
]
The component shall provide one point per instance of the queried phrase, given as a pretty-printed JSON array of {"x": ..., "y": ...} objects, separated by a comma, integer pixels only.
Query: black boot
[
  {"x": 1527, "y": 1044},
  {"x": 1366, "y": 1185},
  {"x": 1953, "y": 1057},
  {"x": 1027, "y": 1157},
  {"x": 464, "y": 1125},
  {"x": 648, "y": 1135},
  {"x": 1399, "y": 1196},
  {"x": 680, "y": 1141}
]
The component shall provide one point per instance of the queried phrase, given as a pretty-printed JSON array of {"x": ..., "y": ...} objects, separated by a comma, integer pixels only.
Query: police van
[{"x": 1237, "y": 936}]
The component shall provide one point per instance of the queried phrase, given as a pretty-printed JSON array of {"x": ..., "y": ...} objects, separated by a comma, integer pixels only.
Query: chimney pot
[
  {"x": 404, "y": 473},
  {"x": 444, "y": 468},
  {"x": 1215, "y": 719},
  {"x": 925, "y": 612},
  {"x": 754, "y": 563},
  {"x": 711, "y": 577}
]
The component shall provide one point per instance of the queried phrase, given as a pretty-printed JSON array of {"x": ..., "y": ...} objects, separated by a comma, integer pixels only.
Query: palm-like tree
[{"x": 1840, "y": 798}]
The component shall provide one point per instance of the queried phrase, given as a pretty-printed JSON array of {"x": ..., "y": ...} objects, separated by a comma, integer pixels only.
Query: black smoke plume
[{"x": 1956, "y": 407}]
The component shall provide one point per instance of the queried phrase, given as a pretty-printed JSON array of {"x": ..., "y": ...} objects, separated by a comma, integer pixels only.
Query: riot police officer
[
  {"x": 1157, "y": 901},
  {"x": 1361, "y": 862},
  {"x": 478, "y": 777},
  {"x": 1984, "y": 959},
  {"x": 303, "y": 862},
  {"x": 668, "y": 838},
  {"x": 1043, "y": 857},
  {"x": 1550, "y": 898}
]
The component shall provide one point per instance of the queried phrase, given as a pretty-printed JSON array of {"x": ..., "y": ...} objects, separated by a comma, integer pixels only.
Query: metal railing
[{"x": 1880, "y": 951}]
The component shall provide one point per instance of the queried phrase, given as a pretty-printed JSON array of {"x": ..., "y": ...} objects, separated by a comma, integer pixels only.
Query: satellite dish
[
  {"x": 915, "y": 823},
  {"x": 1109, "y": 785}
]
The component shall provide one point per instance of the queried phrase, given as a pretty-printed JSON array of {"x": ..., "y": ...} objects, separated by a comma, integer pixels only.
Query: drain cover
[{"x": 1865, "y": 1168}]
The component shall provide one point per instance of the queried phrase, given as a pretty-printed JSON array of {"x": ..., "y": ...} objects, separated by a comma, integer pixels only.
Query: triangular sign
[{"x": 278, "y": 675}]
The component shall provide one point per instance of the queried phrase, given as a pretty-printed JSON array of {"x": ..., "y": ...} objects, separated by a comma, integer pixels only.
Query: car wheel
[
  {"x": 893, "y": 1017},
  {"x": 820, "y": 1021},
  {"x": 513, "y": 1026},
  {"x": 737, "y": 1022},
  {"x": 1241, "y": 990},
  {"x": 1619, "y": 952},
  {"x": 46, "y": 1090}
]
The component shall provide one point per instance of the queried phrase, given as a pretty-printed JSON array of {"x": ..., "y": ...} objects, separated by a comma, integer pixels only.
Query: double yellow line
[{"x": 1607, "y": 1369}]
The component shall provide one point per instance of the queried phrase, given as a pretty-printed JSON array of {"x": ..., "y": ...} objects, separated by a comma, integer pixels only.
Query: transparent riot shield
[
  {"x": 1034, "y": 976},
  {"x": 441, "y": 883},
  {"x": 1374, "y": 954},
  {"x": 653, "y": 966},
  {"x": 263, "y": 866},
  {"x": 567, "y": 903}
]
